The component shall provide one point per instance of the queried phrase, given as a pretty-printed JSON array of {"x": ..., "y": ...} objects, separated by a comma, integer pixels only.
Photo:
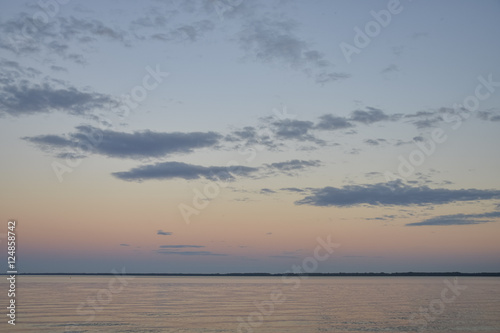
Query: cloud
[
  {"x": 28, "y": 99},
  {"x": 291, "y": 129},
  {"x": 24, "y": 92},
  {"x": 427, "y": 123},
  {"x": 274, "y": 41},
  {"x": 292, "y": 189},
  {"x": 134, "y": 145},
  {"x": 331, "y": 122},
  {"x": 85, "y": 30},
  {"x": 393, "y": 193},
  {"x": 124, "y": 244},
  {"x": 267, "y": 191},
  {"x": 389, "y": 69},
  {"x": 180, "y": 246},
  {"x": 191, "y": 253},
  {"x": 170, "y": 170},
  {"x": 458, "y": 219},
  {"x": 370, "y": 116},
  {"x": 186, "y": 32},
  {"x": 293, "y": 165},
  {"x": 489, "y": 116},
  {"x": 163, "y": 233},
  {"x": 174, "y": 249},
  {"x": 374, "y": 142},
  {"x": 24, "y": 35}
]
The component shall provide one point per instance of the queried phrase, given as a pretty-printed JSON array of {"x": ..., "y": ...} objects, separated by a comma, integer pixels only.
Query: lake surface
[{"x": 255, "y": 304}]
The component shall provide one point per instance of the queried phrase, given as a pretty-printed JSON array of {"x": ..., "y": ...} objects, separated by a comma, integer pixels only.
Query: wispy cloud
[
  {"x": 293, "y": 165},
  {"x": 180, "y": 246},
  {"x": 389, "y": 69},
  {"x": 293, "y": 189},
  {"x": 267, "y": 191},
  {"x": 24, "y": 92},
  {"x": 458, "y": 219},
  {"x": 164, "y": 233},
  {"x": 191, "y": 253},
  {"x": 489, "y": 115},
  {"x": 174, "y": 250},
  {"x": 275, "y": 41}
]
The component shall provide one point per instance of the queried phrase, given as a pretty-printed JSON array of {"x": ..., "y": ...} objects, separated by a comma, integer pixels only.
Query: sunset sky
[{"x": 201, "y": 136}]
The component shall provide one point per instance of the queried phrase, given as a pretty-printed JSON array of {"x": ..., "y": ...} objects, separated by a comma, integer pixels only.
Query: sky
[{"x": 219, "y": 136}]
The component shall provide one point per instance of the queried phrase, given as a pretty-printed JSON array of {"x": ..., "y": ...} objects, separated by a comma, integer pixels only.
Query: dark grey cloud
[
  {"x": 332, "y": 122},
  {"x": 381, "y": 218},
  {"x": 28, "y": 99},
  {"x": 275, "y": 41},
  {"x": 374, "y": 142},
  {"x": 428, "y": 122},
  {"x": 140, "y": 144},
  {"x": 267, "y": 191},
  {"x": 369, "y": 116},
  {"x": 488, "y": 116},
  {"x": 253, "y": 136},
  {"x": 170, "y": 170},
  {"x": 458, "y": 219},
  {"x": 293, "y": 165},
  {"x": 393, "y": 193},
  {"x": 163, "y": 233},
  {"x": 291, "y": 129},
  {"x": 292, "y": 189},
  {"x": 246, "y": 133},
  {"x": 23, "y": 91}
]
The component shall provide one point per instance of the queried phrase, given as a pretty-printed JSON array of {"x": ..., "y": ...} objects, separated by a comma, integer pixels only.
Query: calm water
[{"x": 258, "y": 304}]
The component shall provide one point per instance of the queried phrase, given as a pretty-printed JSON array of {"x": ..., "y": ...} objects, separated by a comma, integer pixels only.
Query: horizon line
[{"x": 281, "y": 274}]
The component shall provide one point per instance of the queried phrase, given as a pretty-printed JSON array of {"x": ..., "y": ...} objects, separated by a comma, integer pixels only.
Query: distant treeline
[{"x": 279, "y": 274}]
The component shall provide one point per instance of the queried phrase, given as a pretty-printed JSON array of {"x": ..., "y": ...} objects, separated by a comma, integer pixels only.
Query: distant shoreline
[{"x": 496, "y": 274}]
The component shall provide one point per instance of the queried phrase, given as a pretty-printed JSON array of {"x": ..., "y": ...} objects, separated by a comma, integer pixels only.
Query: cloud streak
[
  {"x": 458, "y": 219},
  {"x": 171, "y": 170},
  {"x": 136, "y": 145},
  {"x": 393, "y": 193}
]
